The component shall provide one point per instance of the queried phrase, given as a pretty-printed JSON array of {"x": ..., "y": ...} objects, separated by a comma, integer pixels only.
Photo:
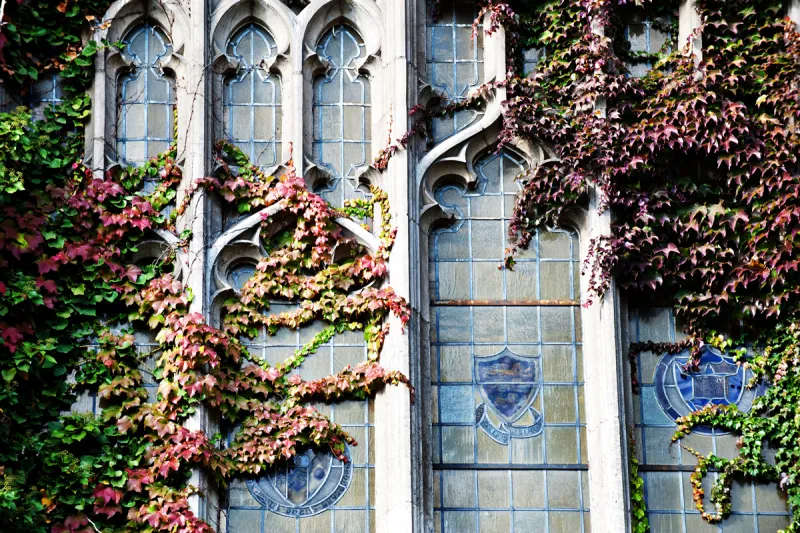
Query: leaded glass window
[
  {"x": 342, "y": 115},
  {"x": 316, "y": 492},
  {"x": 146, "y": 97},
  {"x": 508, "y": 410},
  {"x": 646, "y": 37},
  {"x": 454, "y": 58},
  {"x": 252, "y": 97},
  {"x": 45, "y": 93},
  {"x": 666, "y": 391}
]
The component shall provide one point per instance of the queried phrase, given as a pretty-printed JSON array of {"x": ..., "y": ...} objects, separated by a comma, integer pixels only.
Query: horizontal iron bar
[
  {"x": 501, "y": 466},
  {"x": 670, "y": 468},
  {"x": 506, "y": 303}
]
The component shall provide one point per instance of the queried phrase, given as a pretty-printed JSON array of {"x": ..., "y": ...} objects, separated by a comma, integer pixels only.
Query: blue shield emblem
[
  {"x": 509, "y": 383},
  {"x": 309, "y": 485},
  {"x": 718, "y": 381}
]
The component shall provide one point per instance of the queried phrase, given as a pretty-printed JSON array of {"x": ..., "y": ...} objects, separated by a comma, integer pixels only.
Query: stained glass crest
[
  {"x": 509, "y": 384},
  {"x": 719, "y": 381},
  {"x": 311, "y": 484}
]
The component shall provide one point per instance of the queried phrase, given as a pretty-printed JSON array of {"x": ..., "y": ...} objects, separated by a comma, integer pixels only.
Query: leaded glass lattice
[
  {"x": 342, "y": 116},
  {"x": 46, "y": 93},
  {"x": 316, "y": 492},
  {"x": 454, "y": 58},
  {"x": 146, "y": 97},
  {"x": 666, "y": 392},
  {"x": 508, "y": 409},
  {"x": 645, "y": 36},
  {"x": 252, "y": 97}
]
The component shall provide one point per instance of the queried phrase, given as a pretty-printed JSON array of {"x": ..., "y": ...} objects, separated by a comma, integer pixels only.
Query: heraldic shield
[
  {"x": 312, "y": 483},
  {"x": 509, "y": 383},
  {"x": 718, "y": 381}
]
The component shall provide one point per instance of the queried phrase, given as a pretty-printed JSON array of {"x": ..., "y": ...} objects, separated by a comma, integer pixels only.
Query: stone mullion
[
  {"x": 192, "y": 115},
  {"x": 605, "y": 423},
  {"x": 394, "y": 460},
  {"x": 688, "y": 22}
]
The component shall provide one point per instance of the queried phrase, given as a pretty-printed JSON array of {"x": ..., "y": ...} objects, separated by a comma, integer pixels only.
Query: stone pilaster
[
  {"x": 393, "y": 422},
  {"x": 194, "y": 117}
]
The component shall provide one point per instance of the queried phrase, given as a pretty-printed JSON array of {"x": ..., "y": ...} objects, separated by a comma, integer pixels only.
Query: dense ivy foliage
[
  {"x": 697, "y": 163},
  {"x": 75, "y": 288}
]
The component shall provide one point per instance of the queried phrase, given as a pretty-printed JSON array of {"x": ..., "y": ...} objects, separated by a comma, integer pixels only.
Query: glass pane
[
  {"x": 454, "y": 58},
  {"x": 342, "y": 124},
  {"x": 146, "y": 101},
  {"x": 252, "y": 101}
]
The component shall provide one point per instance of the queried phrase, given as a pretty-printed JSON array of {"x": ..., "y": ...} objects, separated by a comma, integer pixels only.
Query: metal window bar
[
  {"x": 252, "y": 98},
  {"x": 495, "y": 184},
  {"x": 145, "y": 48},
  {"x": 342, "y": 124},
  {"x": 455, "y": 60}
]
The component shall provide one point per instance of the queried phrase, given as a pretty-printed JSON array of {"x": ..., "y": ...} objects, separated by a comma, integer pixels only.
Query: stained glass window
[
  {"x": 648, "y": 37},
  {"x": 508, "y": 409},
  {"x": 667, "y": 391},
  {"x": 89, "y": 401},
  {"x": 146, "y": 97},
  {"x": 252, "y": 97},
  {"x": 316, "y": 492},
  {"x": 342, "y": 115},
  {"x": 455, "y": 59}
]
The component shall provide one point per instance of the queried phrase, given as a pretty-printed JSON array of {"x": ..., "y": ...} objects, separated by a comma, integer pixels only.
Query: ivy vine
[{"x": 72, "y": 296}]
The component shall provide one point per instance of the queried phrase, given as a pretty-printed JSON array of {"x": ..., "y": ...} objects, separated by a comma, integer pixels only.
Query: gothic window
[
  {"x": 454, "y": 58},
  {"x": 315, "y": 492},
  {"x": 342, "y": 115},
  {"x": 147, "y": 347},
  {"x": 667, "y": 391},
  {"x": 508, "y": 411},
  {"x": 252, "y": 97},
  {"x": 646, "y": 38},
  {"x": 146, "y": 97}
]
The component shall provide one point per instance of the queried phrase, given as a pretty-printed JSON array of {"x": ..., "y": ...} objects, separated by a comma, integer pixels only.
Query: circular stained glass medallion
[
  {"x": 718, "y": 381},
  {"x": 311, "y": 484}
]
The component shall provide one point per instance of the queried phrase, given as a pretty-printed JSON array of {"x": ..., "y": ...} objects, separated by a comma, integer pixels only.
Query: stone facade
[{"x": 396, "y": 61}]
